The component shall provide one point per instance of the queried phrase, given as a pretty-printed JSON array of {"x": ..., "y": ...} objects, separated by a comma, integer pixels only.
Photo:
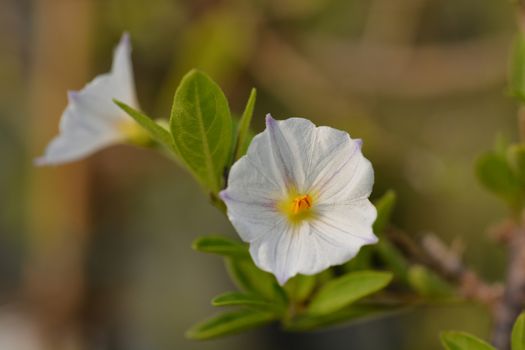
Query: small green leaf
[
  {"x": 229, "y": 323},
  {"x": 346, "y": 289},
  {"x": 518, "y": 333},
  {"x": 427, "y": 283},
  {"x": 516, "y": 157},
  {"x": 495, "y": 174},
  {"x": 385, "y": 207},
  {"x": 156, "y": 131},
  {"x": 243, "y": 131},
  {"x": 307, "y": 322},
  {"x": 221, "y": 246},
  {"x": 463, "y": 341},
  {"x": 201, "y": 126},
  {"x": 250, "y": 278},
  {"x": 362, "y": 261},
  {"x": 300, "y": 287},
  {"x": 393, "y": 258},
  {"x": 517, "y": 68},
  {"x": 246, "y": 299}
]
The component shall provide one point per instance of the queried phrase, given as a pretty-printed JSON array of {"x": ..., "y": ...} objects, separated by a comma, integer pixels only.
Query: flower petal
[
  {"x": 91, "y": 119},
  {"x": 122, "y": 71},
  {"x": 294, "y": 156},
  {"x": 349, "y": 223},
  {"x": 287, "y": 251},
  {"x": 291, "y": 145},
  {"x": 352, "y": 181}
]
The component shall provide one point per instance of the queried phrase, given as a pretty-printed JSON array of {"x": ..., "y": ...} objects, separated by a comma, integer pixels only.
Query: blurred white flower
[
  {"x": 91, "y": 121},
  {"x": 300, "y": 198}
]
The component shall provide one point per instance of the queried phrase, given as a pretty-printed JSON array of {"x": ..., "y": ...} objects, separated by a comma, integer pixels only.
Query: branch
[
  {"x": 513, "y": 300},
  {"x": 449, "y": 261}
]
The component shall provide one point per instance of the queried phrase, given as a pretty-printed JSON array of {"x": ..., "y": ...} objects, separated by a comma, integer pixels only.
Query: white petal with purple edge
[
  {"x": 290, "y": 161},
  {"x": 91, "y": 121}
]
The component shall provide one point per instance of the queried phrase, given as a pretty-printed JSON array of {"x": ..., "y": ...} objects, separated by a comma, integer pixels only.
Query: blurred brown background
[{"x": 96, "y": 255}]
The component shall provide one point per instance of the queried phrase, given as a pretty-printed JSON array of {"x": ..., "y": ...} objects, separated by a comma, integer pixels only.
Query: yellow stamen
[
  {"x": 297, "y": 207},
  {"x": 301, "y": 203}
]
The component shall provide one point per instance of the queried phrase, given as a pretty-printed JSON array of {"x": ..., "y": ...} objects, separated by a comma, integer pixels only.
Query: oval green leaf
[
  {"x": 246, "y": 299},
  {"x": 201, "y": 126},
  {"x": 518, "y": 333},
  {"x": 495, "y": 173},
  {"x": 243, "y": 131},
  {"x": 344, "y": 290},
  {"x": 463, "y": 341},
  {"x": 308, "y": 322},
  {"x": 428, "y": 284},
  {"x": 385, "y": 207},
  {"x": 250, "y": 278},
  {"x": 221, "y": 246},
  {"x": 229, "y": 323},
  {"x": 300, "y": 287}
]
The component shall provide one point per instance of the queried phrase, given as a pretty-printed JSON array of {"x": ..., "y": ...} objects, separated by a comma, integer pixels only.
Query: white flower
[
  {"x": 91, "y": 121},
  {"x": 300, "y": 198}
]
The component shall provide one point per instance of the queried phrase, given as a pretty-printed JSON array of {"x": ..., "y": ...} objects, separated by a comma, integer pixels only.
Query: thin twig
[
  {"x": 513, "y": 301},
  {"x": 449, "y": 262}
]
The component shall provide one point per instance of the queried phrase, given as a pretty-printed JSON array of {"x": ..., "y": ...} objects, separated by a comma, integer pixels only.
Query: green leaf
[
  {"x": 247, "y": 299},
  {"x": 362, "y": 261},
  {"x": 157, "y": 132},
  {"x": 346, "y": 289},
  {"x": 393, "y": 258},
  {"x": 385, "y": 207},
  {"x": 201, "y": 126},
  {"x": 229, "y": 323},
  {"x": 307, "y": 322},
  {"x": 495, "y": 174},
  {"x": 250, "y": 278},
  {"x": 221, "y": 246},
  {"x": 428, "y": 284},
  {"x": 517, "y": 68},
  {"x": 463, "y": 341},
  {"x": 243, "y": 131},
  {"x": 518, "y": 333},
  {"x": 516, "y": 157},
  {"x": 300, "y": 287}
]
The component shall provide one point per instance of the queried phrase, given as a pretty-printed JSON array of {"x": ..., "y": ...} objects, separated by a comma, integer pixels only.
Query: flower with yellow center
[
  {"x": 300, "y": 198},
  {"x": 91, "y": 121}
]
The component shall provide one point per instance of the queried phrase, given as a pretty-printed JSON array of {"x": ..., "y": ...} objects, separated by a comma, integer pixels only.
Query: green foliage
[
  {"x": 250, "y": 278},
  {"x": 516, "y": 158},
  {"x": 428, "y": 284},
  {"x": 463, "y": 341},
  {"x": 495, "y": 173},
  {"x": 393, "y": 259},
  {"x": 517, "y": 68},
  {"x": 385, "y": 207},
  {"x": 229, "y": 323},
  {"x": 518, "y": 333},
  {"x": 201, "y": 126},
  {"x": 243, "y": 130},
  {"x": 344, "y": 290},
  {"x": 300, "y": 287},
  {"x": 221, "y": 246},
  {"x": 305, "y": 302},
  {"x": 307, "y": 322},
  {"x": 239, "y": 298},
  {"x": 156, "y": 131}
]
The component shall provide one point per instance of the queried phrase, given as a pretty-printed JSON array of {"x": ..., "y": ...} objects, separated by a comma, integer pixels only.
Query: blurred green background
[{"x": 96, "y": 255}]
